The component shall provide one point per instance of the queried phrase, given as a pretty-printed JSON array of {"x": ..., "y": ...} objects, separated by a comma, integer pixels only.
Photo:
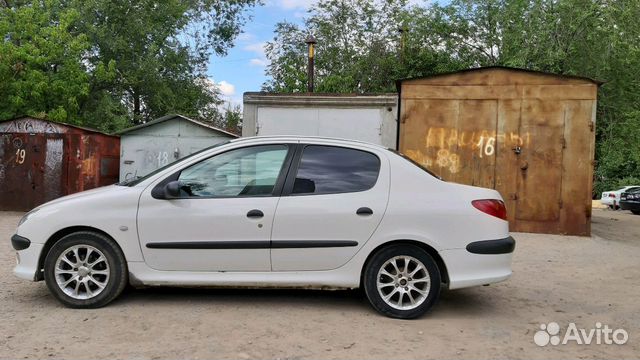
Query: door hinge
[
  {"x": 592, "y": 125},
  {"x": 563, "y": 142}
]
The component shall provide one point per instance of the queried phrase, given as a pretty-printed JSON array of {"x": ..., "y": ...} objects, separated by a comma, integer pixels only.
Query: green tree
[
  {"x": 41, "y": 68},
  {"x": 160, "y": 51},
  {"x": 363, "y": 53},
  {"x": 108, "y": 64}
]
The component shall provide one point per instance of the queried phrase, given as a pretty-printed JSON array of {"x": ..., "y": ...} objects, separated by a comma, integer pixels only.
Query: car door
[
  {"x": 334, "y": 198},
  {"x": 223, "y": 217}
]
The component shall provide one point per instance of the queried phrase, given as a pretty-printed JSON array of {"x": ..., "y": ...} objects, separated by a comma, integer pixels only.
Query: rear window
[
  {"x": 332, "y": 170},
  {"x": 415, "y": 163}
]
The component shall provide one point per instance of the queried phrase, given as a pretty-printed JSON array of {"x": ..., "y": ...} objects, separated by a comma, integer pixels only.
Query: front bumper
[
  {"x": 27, "y": 257},
  {"x": 19, "y": 242}
]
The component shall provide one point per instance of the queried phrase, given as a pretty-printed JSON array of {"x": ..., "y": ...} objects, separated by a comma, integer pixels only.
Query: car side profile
[{"x": 273, "y": 212}]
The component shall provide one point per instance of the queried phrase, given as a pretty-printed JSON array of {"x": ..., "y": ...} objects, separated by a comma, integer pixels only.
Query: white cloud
[
  {"x": 294, "y": 4},
  {"x": 258, "y": 49},
  {"x": 258, "y": 62},
  {"x": 226, "y": 88},
  {"x": 246, "y": 37}
]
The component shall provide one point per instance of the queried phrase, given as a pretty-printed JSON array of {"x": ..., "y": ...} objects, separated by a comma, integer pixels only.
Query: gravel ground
[{"x": 556, "y": 278}]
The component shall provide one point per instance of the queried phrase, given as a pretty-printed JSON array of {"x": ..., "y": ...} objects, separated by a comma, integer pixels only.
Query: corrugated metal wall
[
  {"x": 42, "y": 160},
  {"x": 528, "y": 135}
]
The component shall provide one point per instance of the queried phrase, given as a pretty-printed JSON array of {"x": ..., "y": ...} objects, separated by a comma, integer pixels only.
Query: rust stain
[{"x": 41, "y": 160}]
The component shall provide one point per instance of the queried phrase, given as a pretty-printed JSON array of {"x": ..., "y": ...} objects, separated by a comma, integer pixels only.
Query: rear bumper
[
  {"x": 481, "y": 263},
  {"x": 630, "y": 205},
  {"x": 492, "y": 247},
  {"x": 607, "y": 201}
]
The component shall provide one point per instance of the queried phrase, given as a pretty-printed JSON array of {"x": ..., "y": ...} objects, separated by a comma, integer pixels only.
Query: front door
[
  {"x": 331, "y": 205},
  {"x": 223, "y": 220}
]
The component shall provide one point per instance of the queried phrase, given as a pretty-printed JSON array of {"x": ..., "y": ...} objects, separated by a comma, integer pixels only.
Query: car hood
[{"x": 84, "y": 194}]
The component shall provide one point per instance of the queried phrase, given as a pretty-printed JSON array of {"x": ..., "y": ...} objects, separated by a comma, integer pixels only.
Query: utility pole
[{"x": 311, "y": 43}]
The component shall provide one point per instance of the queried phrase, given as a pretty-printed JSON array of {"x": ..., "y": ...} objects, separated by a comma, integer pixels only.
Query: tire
[
  {"x": 423, "y": 287},
  {"x": 636, "y": 212},
  {"x": 104, "y": 272}
]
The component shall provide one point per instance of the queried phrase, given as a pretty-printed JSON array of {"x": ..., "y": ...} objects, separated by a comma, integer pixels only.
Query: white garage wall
[{"x": 370, "y": 118}]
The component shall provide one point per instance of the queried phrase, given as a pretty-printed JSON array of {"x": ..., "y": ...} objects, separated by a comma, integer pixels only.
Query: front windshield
[{"x": 137, "y": 180}]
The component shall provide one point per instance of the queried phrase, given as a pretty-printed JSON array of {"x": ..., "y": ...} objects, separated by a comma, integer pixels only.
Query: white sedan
[
  {"x": 273, "y": 212},
  {"x": 612, "y": 198}
]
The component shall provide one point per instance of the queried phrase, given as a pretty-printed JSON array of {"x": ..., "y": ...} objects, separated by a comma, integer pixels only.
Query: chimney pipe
[{"x": 311, "y": 43}]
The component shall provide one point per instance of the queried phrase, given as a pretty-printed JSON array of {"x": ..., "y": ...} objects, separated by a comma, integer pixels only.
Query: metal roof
[
  {"x": 173, "y": 116},
  {"x": 597, "y": 82}
]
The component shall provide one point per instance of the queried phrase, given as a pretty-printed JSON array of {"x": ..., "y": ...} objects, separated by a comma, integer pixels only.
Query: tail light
[{"x": 492, "y": 207}]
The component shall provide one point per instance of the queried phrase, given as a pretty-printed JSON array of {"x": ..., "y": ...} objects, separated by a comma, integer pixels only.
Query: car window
[
  {"x": 330, "y": 169},
  {"x": 250, "y": 171},
  {"x": 137, "y": 180}
]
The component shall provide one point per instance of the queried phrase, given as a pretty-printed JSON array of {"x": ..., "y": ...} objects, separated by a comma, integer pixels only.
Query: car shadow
[{"x": 463, "y": 303}]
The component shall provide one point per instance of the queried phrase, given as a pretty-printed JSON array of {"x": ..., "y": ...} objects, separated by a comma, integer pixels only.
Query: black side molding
[
  {"x": 20, "y": 243},
  {"x": 210, "y": 245},
  {"x": 499, "y": 246},
  {"x": 278, "y": 244},
  {"x": 294, "y": 244}
]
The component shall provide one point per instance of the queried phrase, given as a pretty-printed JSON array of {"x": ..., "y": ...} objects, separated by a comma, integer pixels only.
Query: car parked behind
[
  {"x": 612, "y": 198},
  {"x": 630, "y": 200}
]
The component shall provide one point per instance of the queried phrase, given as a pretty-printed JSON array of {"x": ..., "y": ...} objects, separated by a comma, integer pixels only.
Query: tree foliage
[
  {"x": 108, "y": 64},
  {"x": 360, "y": 49}
]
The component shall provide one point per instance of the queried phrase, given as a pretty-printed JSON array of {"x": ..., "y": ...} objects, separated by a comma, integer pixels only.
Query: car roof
[{"x": 303, "y": 138}]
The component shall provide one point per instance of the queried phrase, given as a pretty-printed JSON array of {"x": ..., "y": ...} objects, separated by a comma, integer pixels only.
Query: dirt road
[{"x": 556, "y": 278}]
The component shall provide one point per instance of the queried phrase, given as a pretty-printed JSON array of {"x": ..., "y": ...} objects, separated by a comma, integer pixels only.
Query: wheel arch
[
  {"x": 444, "y": 273},
  {"x": 57, "y": 236}
]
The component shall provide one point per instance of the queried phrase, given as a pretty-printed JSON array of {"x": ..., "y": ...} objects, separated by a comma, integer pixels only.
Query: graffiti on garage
[
  {"x": 28, "y": 125},
  {"x": 442, "y": 146}
]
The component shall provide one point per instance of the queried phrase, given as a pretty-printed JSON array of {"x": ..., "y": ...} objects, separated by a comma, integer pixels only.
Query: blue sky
[{"x": 243, "y": 67}]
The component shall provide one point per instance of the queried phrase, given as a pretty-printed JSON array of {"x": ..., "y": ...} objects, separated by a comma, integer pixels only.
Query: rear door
[{"x": 334, "y": 198}]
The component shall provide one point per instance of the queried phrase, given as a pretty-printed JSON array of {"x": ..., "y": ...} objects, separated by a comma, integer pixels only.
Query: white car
[
  {"x": 612, "y": 198},
  {"x": 273, "y": 212}
]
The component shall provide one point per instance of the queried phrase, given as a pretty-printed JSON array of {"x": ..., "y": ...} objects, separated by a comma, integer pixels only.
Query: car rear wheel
[
  {"x": 85, "y": 270},
  {"x": 402, "y": 281},
  {"x": 636, "y": 212}
]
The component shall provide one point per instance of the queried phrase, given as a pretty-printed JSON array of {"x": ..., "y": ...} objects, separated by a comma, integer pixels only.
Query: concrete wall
[
  {"x": 149, "y": 148},
  {"x": 370, "y": 118}
]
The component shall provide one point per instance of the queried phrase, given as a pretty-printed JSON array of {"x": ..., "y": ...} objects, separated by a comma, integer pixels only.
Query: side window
[
  {"x": 330, "y": 170},
  {"x": 250, "y": 171}
]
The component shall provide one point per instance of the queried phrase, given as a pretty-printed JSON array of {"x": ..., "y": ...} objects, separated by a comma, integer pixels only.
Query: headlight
[{"x": 26, "y": 216}]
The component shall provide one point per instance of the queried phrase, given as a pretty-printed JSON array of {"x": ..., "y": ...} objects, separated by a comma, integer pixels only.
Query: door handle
[
  {"x": 255, "y": 214},
  {"x": 364, "y": 211}
]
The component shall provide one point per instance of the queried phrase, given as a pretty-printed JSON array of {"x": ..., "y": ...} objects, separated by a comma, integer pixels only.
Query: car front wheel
[
  {"x": 402, "y": 281},
  {"x": 85, "y": 270}
]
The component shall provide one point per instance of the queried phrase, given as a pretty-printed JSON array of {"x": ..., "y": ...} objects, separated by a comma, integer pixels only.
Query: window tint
[
  {"x": 250, "y": 171},
  {"x": 329, "y": 169}
]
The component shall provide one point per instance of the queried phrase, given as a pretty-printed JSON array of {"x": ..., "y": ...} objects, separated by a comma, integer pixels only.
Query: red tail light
[{"x": 492, "y": 207}]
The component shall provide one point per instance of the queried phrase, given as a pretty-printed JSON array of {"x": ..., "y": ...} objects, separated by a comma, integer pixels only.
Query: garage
[
  {"x": 527, "y": 134},
  {"x": 149, "y": 146},
  {"x": 42, "y": 160}
]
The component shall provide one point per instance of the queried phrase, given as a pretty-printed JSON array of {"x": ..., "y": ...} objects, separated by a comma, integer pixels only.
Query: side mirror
[{"x": 172, "y": 190}]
